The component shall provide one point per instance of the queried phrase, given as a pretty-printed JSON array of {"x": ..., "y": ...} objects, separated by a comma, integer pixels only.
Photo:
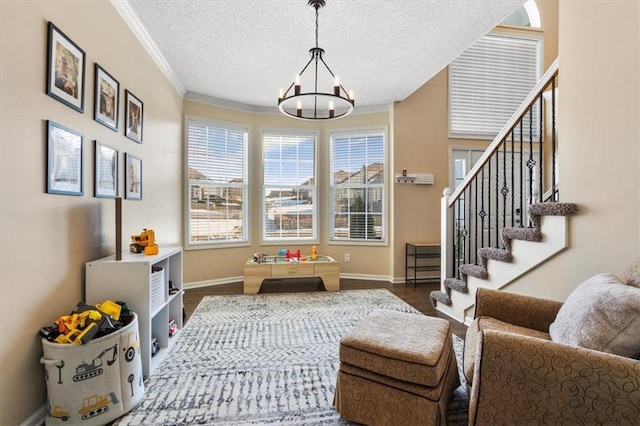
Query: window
[
  {"x": 357, "y": 187},
  {"x": 289, "y": 186},
  {"x": 527, "y": 15},
  {"x": 489, "y": 81},
  {"x": 217, "y": 182}
]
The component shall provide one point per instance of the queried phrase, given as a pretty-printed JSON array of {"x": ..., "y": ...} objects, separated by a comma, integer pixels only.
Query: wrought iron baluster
[
  {"x": 513, "y": 179},
  {"x": 540, "y": 149},
  {"x": 468, "y": 229},
  {"x": 482, "y": 213},
  {"x": 454, "y": 260},
  {"x": 522, "y": 182},
  {"x": 554, "y": 193},
  {"x": 531, "y": 162},
  {"x": 489, "y": 189},
  {"x": 475, "y": 223}
]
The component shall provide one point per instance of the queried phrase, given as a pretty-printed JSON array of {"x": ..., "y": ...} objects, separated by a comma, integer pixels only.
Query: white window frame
[
  {"x": 359, "y": 132},
  {"x": 488, "y": 131},
  {"x": 244, "y": 187},
  {"x": 314, "y": 238}
]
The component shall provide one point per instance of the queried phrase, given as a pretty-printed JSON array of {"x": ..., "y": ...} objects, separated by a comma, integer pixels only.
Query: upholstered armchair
[{"x": 517, "y": 374}]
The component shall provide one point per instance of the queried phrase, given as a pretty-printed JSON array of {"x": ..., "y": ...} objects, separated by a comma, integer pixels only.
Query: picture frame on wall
[
  {"x": 64, "y": 160},
  {"x": 134, "y": 117},
  {"x": 132, "y": 177},
  {"x": 106, "y": 171},
  {"x": 65, "y": 69},
  {"x": 107, "y": 98}
]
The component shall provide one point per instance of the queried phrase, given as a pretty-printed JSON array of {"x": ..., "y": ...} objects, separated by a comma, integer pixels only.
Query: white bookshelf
[{"x": 130, "y": 280}]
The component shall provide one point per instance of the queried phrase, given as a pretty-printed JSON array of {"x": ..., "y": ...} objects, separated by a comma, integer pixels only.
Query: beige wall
[
  {"x": 203, "y": 266},
  {"x": 46, "y": 239},
  {"x": 422, "y": 145},
  {"x": 599, "y": 158}
]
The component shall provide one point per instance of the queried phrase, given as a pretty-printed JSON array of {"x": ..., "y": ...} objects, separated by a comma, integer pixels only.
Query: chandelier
[{"x": 316, "y": 104}]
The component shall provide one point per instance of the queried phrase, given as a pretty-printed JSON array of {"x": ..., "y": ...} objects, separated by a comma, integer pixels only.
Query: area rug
[{"x": 268, "y": 359}]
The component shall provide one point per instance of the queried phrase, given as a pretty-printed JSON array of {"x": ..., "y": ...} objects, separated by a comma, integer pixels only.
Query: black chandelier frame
[{"x": 290, "y": 102}]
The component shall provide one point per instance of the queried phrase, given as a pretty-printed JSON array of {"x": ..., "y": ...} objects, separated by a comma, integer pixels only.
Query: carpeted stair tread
[
  {"x": 456, "y": 284},
  {"x": 536, "y": 211},
  {"x": 487, "y": 253},
  {"x": 439, "y": 296},
  {"x": 553, "y": 209},
  {"x": 477, "y": 271},
  {"x": 524, "y": 234}
]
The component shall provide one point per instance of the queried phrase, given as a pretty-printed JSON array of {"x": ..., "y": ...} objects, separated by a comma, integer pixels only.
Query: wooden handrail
[{"x": 511, "y": 124}]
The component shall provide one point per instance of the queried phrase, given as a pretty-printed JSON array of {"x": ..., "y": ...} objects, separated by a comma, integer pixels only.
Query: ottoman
[{"x": 396, "y": 369}]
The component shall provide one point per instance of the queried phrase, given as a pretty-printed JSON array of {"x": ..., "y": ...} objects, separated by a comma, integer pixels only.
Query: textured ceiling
[{"x": 245, "y": 51}]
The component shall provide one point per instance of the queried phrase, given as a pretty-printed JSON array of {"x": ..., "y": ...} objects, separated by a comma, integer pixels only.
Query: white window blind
[
  {"x": 357, "y": 187},
  {"x": 488, "y": 82},
  {"x": 217, "y": 182},
  {"x": 289, "y": 187}
]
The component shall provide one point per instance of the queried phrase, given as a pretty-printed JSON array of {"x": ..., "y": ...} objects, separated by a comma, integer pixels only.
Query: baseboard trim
[
  {"x": 231, "y": 280},
  {"x": 37, "y": 418},
  {"x": 207, "y": 283}
]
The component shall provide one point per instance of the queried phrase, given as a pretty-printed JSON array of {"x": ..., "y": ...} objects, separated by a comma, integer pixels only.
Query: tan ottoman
[{"x": 396, "y": 369}]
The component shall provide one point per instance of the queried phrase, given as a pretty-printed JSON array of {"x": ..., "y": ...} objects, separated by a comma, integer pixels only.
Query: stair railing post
[{"x": 446, "y": 237}]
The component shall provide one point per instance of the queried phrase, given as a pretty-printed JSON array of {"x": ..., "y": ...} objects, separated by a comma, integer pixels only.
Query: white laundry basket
[{"x": 94, "y": 383}]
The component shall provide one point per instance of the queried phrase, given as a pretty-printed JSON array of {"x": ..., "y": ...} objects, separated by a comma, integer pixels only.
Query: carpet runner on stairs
[{"x": 536, "y": 211}]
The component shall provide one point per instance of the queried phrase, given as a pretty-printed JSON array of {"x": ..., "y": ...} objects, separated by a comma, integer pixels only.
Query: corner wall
[
  {"x": 599, "y": 157},
  {"x": 46, "y": 239},
  {"x": 422, "y": 145}
]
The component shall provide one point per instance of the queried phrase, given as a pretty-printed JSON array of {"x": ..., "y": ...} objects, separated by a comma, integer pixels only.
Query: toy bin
[{"x": 94, "y": 383}]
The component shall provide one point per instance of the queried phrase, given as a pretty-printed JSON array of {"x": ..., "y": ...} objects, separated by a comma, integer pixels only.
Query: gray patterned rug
[{"x": 263, "y": 359}]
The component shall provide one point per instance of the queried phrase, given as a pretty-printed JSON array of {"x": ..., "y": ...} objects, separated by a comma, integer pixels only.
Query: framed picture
[
  {"x": 133, "y": 117},
  {"x": 106, "y": 171},
  {"x": 132, "y": 177},
  {"x": 107, "y": 99},
  {"x": 65, "y": 69},
  {"x": 64, "y": 160}
]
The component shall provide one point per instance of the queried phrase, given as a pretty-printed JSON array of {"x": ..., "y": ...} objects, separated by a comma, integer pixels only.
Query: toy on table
[{"x": 314, "y": 253}]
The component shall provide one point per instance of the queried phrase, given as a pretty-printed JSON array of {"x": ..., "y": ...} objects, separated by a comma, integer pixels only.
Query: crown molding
[
  {"x": 238, "y": 106},
  {"x": 131, "y": 19}
]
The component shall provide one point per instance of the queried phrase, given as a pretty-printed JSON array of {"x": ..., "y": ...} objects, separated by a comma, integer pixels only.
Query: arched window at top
[{"x": 526, "y": 16}]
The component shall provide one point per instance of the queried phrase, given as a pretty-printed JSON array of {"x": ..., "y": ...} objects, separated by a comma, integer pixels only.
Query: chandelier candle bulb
[
  {"x": 281, "y": 95},
  {"x": 331, "y": 109},
  {"x": 336, "y": 87},
  {"x": 296, "y": 87},
  {"x": 299, "y": 108}
]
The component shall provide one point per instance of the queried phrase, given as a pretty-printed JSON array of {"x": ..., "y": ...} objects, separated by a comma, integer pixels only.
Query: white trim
[
  {"x": 534, "y": 14},
  {"x": 132, "y": 21},
  {"x": 207, "y": 283},
  {"x": 37, "y": 418},
  {"x": 367, "y": 277}
]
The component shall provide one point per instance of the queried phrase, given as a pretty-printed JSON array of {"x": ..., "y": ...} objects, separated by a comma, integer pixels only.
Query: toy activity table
[{"x": 323, "y": 267}]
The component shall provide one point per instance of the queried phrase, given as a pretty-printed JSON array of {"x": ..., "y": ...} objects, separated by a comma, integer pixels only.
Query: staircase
[
  {"x": 524, "y": 249},
  {"x": 505, "y": 218}
]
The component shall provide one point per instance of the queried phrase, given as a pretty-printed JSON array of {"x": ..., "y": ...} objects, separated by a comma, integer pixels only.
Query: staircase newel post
[{"x": 446, "y": 237}]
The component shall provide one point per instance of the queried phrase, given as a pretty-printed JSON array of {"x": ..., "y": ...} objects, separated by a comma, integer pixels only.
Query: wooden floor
[{"x": 417, "y": 296}]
